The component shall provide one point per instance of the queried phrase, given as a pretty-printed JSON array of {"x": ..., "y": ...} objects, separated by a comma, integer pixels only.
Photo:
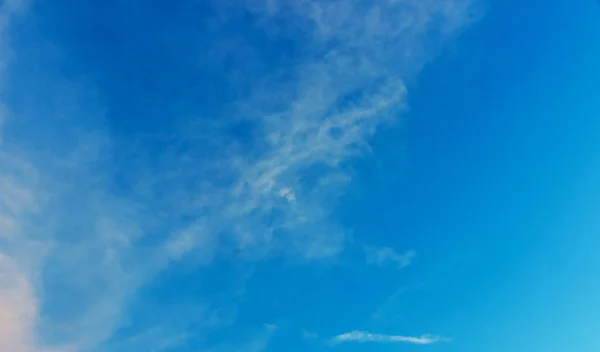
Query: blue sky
[{"x": 268, "y": 175}]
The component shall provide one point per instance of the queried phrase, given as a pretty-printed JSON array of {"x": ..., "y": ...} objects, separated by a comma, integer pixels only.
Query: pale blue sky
[{"x": 254, "y": 175}]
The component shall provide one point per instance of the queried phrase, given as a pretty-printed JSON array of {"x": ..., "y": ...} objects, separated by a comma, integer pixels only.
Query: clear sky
[{"x": 310, "y": 175}]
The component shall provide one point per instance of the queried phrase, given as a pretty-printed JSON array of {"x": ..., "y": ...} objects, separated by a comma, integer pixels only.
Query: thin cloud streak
[{"x": 364, "y": 336}]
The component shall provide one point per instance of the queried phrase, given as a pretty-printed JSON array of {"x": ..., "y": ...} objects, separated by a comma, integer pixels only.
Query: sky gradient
[{"x": 311, "y": 175}]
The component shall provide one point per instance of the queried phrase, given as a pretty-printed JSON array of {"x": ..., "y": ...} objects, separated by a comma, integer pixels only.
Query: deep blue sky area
[{"x": 349, "y": 175}]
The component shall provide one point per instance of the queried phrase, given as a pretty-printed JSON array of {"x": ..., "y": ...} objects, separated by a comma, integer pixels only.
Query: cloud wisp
[
  {"x": 364, "y": 336},
  {"x": 82, "y": 231},
  {"x": 386, "y": 255}
]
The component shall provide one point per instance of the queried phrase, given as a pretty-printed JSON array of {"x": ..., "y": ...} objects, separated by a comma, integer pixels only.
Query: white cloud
[
  {"x": 364, "y": 336},
  {"x": 73, "y": 241},
  {"x": 288, "y": 194},
  {"x": 387, "y": 255}
]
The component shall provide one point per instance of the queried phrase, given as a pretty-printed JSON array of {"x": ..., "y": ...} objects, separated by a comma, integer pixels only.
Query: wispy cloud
[
  {"x": 387, "y": 255},
  {"x": 364, "y": 336},
  {"x": 82, "y": 232}
]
